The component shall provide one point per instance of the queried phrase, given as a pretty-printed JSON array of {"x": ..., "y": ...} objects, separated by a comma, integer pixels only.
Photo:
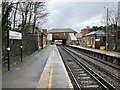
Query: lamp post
[
  {"x": 106, "y": 28},
  {"x": 8, "y": 49}
]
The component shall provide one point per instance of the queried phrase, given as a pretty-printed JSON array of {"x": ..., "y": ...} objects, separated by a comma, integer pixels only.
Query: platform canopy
[
  {"x": 97, "y": 33},
  {"x": 72, "y": 36},
  {"x": 49, "y": 37}
]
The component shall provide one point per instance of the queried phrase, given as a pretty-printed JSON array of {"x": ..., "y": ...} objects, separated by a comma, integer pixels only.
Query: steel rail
[
  {"x": 106, "y": 71},
  {"x": 97, "y": 77},
  {"x": 76, "y": 85}
]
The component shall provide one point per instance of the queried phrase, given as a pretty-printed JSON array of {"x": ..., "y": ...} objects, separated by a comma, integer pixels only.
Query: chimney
[
  {"x": 85, "y": 31},
  {"x": 45, "y": 31}
]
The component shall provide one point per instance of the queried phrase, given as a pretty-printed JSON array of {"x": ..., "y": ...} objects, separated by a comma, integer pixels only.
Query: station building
[
  {"x": 62, "y": 35},
  {"x": 96, "y": 39}
]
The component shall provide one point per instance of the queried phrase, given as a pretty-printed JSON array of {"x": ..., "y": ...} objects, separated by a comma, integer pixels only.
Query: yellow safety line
[
  {"x": 50, "y": 79},
  {"x": 51, "y": 71}
]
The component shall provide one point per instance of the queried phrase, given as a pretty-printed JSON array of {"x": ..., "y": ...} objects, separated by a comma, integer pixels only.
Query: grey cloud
[{"x": 73, "y": 14}]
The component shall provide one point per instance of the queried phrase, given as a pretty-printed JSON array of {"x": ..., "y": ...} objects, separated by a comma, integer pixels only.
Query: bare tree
[
  {"x": 112, "y": 27},
  {"x": 22, "y": 17},
  {"x": 112, "y": 17}
]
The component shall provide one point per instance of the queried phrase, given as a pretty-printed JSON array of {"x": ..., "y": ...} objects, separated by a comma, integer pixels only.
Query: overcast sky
[{"x": 76, "y": 15}]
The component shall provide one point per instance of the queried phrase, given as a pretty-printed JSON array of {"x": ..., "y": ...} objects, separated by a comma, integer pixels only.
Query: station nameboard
[{"x": 14, "y": 35}]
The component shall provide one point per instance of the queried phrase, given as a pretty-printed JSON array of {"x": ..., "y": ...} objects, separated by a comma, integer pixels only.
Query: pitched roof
[
  {"x": 98, "y": 32},
  {"x": 62, "y": 30}
]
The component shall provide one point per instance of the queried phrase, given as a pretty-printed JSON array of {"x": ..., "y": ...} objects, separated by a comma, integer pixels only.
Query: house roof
[
  {"x": 98, "y": 33},
  {"x": 62, "y": 30}
]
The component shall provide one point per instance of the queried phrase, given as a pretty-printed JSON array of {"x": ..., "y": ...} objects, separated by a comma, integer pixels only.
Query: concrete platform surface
[
  {"x": 54, "y": 74},
  {"x": 27, "y": 73}
]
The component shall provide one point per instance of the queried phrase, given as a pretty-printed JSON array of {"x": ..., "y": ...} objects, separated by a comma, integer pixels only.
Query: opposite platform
[{"x": 54, "y": 74}]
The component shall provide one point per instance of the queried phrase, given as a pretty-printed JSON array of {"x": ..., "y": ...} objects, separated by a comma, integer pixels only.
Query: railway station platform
[
  {"x": 40, "y": 70},
  {"x": 54, "y": 74},
  {"x": 109, "y": 57}
]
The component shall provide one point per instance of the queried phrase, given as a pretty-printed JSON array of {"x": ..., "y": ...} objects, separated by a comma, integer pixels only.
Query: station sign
[
  {"x": 49, "y": 37},
  {"x": 15, "y": 35}
]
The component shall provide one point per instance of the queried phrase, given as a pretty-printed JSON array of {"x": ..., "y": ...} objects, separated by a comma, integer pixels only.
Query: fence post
[
  {"x": 21, "y": 49},
  {"x": 8, "y": 50}
]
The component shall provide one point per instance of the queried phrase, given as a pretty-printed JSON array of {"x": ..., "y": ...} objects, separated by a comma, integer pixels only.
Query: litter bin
[{"x": 102, "y": 47}]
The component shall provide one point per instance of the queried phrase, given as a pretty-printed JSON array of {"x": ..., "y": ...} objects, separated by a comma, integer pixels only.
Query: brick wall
[
  {"x": 45, "y": 31},
  {"x": 60, "y": 35},
  {"x": 85, "y": 31}
]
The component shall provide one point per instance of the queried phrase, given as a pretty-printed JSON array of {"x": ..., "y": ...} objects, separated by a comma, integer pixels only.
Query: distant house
[
  {"x": 95, "y": 39},
  {"x": 42, "y": 38},
  {"x": 45, "y": 32},
  {"x": 81, "y": 37}
]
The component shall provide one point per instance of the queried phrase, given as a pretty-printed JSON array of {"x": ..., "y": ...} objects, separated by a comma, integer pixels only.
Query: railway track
[
  {"x": 112, "y": 74},
  {"x": 81, "y": 75}
]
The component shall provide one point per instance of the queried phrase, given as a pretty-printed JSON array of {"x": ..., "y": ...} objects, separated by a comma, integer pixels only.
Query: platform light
[
  {"x": 97, "y": 39},
  {"x": 8, "y": 48},
  {"x": 21, "y": 46}
]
